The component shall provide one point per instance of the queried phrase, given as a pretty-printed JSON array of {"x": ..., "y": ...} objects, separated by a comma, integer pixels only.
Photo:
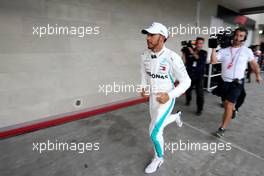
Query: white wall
[{"x": 44, "y": 77}]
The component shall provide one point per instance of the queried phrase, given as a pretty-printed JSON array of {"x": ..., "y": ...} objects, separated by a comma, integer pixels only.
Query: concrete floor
[{"x": 125, "y": 147}]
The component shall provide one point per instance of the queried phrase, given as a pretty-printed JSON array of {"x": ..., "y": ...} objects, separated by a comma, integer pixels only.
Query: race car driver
[{"x": 160, "y": 68}]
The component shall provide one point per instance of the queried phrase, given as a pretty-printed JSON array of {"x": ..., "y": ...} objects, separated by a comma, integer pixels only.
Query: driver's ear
[{"x": 162, "y": 38}]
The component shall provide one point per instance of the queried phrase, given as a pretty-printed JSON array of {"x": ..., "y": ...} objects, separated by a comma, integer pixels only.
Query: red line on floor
[{"x": 69, "y": 118}]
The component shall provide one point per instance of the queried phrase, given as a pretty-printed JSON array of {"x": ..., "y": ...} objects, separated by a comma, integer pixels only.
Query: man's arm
[
  {"x": 143, "y": 78},
  {"x": 213, "y": 56},
  {"x": 181, "y": 75},
  {"x": 195, "y": 55},
  {"x": 255, "y": 68}
]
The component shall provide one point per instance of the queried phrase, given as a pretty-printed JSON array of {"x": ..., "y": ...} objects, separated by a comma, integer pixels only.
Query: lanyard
[{"x": 233, "y": 57}]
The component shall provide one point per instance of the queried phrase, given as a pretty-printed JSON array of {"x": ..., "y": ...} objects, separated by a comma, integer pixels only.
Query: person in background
[
  {"x": 234, "y": 61},
  {"x": 195, "y": 61}
]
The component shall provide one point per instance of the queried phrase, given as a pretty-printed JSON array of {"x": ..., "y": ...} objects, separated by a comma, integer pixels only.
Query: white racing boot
[{"x": 154, "y": 165}]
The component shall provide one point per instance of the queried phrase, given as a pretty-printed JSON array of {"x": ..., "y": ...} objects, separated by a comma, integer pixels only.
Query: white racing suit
[{"x": 159, "y": 71}]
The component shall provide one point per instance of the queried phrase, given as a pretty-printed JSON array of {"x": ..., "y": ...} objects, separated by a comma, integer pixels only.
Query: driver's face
[{"x": 153, "y": 40}]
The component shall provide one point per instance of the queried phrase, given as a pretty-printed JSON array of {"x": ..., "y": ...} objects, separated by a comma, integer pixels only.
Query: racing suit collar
[{"x": 157, "y": 54}]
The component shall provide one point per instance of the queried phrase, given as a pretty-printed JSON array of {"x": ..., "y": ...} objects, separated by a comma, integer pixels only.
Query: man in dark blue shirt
[{"x": 195, "y": 60}]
